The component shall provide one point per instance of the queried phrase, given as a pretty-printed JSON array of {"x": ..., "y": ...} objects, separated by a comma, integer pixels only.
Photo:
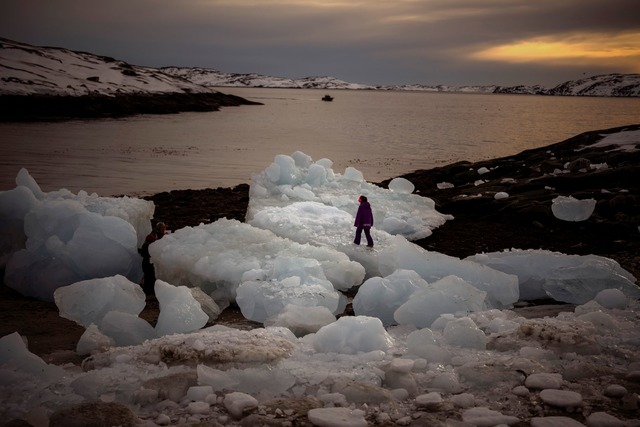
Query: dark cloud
[{"x": 362, "y": 41}]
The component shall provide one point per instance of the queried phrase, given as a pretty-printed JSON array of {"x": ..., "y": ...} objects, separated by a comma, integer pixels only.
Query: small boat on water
[{"x": 327, "y": 98}]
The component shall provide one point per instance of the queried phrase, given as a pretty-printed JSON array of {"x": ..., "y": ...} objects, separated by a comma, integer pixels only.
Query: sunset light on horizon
[{"x": 622, "y": 49}]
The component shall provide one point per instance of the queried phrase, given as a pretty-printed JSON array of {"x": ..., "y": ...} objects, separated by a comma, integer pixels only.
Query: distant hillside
[
  {"x": 52, "y": 83},
  {"x": 56, "y": 83},
  {"x": 605, "y": 85},
  {"x": 30, "y": 70},
  {"x": 213, "y": 78}
]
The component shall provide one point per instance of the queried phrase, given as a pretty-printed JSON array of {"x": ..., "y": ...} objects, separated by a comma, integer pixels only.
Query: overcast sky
[{"x": 455, "y": 42}]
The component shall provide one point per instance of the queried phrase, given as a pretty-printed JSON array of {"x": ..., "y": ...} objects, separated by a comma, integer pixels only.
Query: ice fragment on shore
[
  {"x": 450, "y": 294},
  {"x": 296, "y": 179},
  {"x": 574, "y": 279},
  {"x": 422, "y": 343},
  {"x": 571, "y": 209},
  {"x": 88, "y": 301},
  {"x": 179, "y": 311},
  {"x": 464, "y": 333},
  {"x": 59, "y": 238},
  {"x": 126, "y": 329},
  {"x": 401, "y": 185},
  {"x": 580, "y": 284},
  {"x": 207, "y": 304},
  {"x": 612, "y": 299},
  {"x": 501, "y": 288},
  {"x": 239, "y": 404},
  {"x": 444, "y": 185},
  {"x": 16, "y": 359},
  {"x": 302, "y": 320},
  {"x": 352, "y": 335},
  {"x": 218, "y": 257},
  {"x": 93, "y": 340},
  {"x": 292, "y": 280},
  {"x": 381, "y": 297}
]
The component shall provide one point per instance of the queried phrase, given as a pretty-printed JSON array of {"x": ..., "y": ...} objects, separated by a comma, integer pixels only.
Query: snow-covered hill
[
  {"x": 49, "y": 83},
  {"x": 214, "y": 78},
  {"x": 30, "y": 70},
  {"x": 522, "y": 90},
  {"x": 605, "y": 85}
]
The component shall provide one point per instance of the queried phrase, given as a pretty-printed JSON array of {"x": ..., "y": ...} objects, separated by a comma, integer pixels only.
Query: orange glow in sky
[{"x": 623, "y": 49}]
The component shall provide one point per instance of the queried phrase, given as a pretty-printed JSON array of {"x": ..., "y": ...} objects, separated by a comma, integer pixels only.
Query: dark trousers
[
  {"x": 367, "y": 234},
  {"x": 149, "y": 277}
]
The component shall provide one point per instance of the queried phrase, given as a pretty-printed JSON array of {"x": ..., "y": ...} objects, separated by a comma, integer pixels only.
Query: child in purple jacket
[{"x": 364, "y": 221}]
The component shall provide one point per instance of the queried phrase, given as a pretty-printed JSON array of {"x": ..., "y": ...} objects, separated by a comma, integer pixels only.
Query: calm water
[{"x": 383, "y": 134}]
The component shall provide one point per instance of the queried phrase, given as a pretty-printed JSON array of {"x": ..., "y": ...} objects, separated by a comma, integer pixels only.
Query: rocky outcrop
[
  {"x": 603, "y": 85},
  {"x": 617, "y": 85},
  {"x": 532, "y": 179},
  {"x": 51, "y": 107},
  {"x": 522, "y": 90}
]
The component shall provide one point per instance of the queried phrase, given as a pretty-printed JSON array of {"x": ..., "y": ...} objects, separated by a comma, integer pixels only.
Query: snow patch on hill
[
  {"x": 30, "y": 70},
  {"x": 604, "y": 85},
  {"x": 212, "y": 78}
]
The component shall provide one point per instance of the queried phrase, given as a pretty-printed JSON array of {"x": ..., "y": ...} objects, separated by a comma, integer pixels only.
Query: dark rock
[
  {"x": 181, "y": 208},
  {"x": 17, "y": 423},
  {"x": 284, "y": 412},
  {"x": 95, "y": 414},
  {"x": 129, "y": 72},
  {"x": 173, "y": 386},
  {"x": 579, "y": 164},
  {"x": 550, "y": 166},
  {"x": 17, "y": 108},
  {"x": 524, "y": 220}
]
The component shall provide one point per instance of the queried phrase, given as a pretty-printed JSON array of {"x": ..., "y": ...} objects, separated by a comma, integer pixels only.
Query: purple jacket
[{"x": 364, "y": 217}]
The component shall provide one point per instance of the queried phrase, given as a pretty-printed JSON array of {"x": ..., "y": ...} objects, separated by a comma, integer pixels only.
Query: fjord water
[{"x": 383, "y": 134}]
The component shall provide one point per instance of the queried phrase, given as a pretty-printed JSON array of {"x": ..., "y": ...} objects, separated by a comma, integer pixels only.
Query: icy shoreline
[{"x": 483, "y": 367}]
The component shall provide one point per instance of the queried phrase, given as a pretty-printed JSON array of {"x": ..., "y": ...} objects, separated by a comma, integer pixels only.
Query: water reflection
[{"x": 384, "y": 134}]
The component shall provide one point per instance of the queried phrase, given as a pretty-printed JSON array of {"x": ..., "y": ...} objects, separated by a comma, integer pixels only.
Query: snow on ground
[
  {"x": 620, "y": 141},
  {"x": 30, "y": 70}
]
